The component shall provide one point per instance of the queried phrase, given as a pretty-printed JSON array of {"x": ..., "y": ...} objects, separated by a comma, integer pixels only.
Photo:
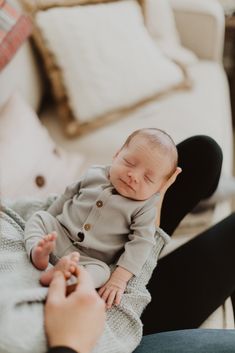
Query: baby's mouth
[{"x": 124, "y": 182}]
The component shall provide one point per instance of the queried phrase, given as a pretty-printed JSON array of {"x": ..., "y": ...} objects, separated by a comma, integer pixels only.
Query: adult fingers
[
  {"x": 178, "y": 171},
  {"x": 172, "y": 179},
  {"x": 85, "y": 281},
  {"x": 57, "y": 288},
  {"x": 174, "y": 175}
]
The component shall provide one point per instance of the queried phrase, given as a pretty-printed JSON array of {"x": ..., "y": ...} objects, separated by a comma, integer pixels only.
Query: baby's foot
[
  {"x": 40, "y": 253},
  {"x": 67, "y": 264}
]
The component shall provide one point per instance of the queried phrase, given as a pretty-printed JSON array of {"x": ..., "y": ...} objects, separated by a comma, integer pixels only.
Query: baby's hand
[{"x": 111, "y": 292}]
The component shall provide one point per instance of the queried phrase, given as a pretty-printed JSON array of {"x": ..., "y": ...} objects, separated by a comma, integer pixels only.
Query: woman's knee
[
  {"x": 201, "y": 157},
  {"x": 203, "y": 146},
  {"x": 209, "y": 147}
]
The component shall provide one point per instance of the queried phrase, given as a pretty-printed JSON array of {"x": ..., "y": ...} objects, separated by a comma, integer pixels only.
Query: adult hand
[
  {"x": 170, "y": 181},
  {"x": 75, "y": 321},
  {"x": 163, "y": 190}
]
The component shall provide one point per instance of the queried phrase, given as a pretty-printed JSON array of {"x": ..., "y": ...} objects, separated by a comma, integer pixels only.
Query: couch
[{"x": 202, "y": 109}]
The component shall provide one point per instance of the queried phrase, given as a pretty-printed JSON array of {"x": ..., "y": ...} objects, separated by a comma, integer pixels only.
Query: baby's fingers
[
  {"x": 101, "y": 291},
  {"x": 105, "y": 294},
  {"x": 118, "y": 297},
  {"x": 110, "y": 299}
]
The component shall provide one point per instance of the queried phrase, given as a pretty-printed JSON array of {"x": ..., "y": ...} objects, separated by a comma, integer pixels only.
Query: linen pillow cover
[
  {"x": 14, "y": 29},
  {"x": 30, "y": 162}
]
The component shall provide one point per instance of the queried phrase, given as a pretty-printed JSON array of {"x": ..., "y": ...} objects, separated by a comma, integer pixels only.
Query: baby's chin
[
  {"x": 123, "y": 192},
  {"x": 130, "y": 193},
  {"x": 132, "y": 196}
]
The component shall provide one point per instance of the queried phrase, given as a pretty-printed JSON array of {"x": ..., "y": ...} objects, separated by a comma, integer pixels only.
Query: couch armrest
[{"x": 201, "y": 25}]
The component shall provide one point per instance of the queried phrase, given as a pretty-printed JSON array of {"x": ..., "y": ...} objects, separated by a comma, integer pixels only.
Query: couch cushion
[
  {"x": 31, "y": 163},
  {"x": 112, "y": 63}
]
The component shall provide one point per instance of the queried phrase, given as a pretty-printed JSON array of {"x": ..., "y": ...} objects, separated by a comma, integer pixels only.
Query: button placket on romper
[{"x": 93, "y": 216}]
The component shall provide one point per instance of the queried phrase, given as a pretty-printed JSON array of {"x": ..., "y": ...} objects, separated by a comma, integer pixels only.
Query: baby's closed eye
[{"x": 147, "y": 178}]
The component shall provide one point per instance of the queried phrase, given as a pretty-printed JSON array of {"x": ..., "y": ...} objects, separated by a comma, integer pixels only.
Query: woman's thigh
[
  {"x": 192, "y": 281},
  {"x": 189, "y": 341}
]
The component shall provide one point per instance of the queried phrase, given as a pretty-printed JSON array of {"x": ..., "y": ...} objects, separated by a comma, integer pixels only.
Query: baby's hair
[{"x": 160, "y": 139}]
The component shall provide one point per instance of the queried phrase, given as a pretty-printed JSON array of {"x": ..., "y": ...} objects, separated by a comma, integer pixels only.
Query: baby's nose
[{"x": 133, "y": 177}]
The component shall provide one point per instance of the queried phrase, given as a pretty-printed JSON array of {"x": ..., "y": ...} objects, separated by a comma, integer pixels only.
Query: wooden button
[
  {"x": 40, "y": 181},
  {"x": 87, "y": 226},
  {"x": 99, "y": 203}
]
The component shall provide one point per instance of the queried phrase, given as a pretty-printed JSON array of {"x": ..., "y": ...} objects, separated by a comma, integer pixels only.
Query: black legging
[{"x": 195, "y": 279}]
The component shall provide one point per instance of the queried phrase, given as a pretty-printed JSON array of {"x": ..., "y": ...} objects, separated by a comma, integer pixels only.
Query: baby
[{"x": 108, "y": 217}]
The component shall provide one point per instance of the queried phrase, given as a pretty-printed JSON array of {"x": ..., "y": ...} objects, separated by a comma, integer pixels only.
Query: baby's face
[{"x": 138, "y": 171}]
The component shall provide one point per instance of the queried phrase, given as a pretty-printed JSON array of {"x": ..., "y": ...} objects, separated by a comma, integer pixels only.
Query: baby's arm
[
  {"x": 136, "y": 251},
  {"x": 57, "y": 206},
  {"x": 111, "y": 292}
]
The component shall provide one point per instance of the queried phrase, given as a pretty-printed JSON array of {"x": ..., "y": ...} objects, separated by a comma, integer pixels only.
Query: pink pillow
[
  {"x": 14, "y": 29},
  {"x": 31, "y": 164}
]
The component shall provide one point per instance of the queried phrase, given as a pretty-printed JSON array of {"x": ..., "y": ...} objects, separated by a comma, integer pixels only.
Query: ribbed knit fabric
[{"x": 22, "y": 297}]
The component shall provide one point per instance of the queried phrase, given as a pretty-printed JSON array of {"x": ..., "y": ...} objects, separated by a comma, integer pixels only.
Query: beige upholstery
[{"x": 204, "y": 20}]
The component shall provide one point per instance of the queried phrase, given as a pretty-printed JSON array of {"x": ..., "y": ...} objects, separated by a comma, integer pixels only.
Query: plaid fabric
[{"x": 14, "y": 29}]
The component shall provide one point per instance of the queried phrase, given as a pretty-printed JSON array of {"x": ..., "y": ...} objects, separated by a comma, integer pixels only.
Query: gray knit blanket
[{"x": 22, "y": 297}]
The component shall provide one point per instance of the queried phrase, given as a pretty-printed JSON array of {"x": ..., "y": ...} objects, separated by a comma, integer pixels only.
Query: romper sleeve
[
  {"x": 57, "y": 206},
  {"x": 141, "y": 240}
]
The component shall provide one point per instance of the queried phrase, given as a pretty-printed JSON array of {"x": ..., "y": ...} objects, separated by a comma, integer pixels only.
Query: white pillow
[
  {"x": 30, "y": 162},
  {"x": 160, "y": 22},
  {"x": 107, "y": 58}
]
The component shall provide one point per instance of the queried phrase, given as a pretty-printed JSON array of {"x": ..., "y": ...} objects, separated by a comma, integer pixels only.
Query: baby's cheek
[
  {"x": 121, "y": 170},
  {"x": 150, "y": 191}
]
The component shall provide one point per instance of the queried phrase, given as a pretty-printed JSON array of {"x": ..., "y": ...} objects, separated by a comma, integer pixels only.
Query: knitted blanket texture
[{"x": 22, "y": 297}]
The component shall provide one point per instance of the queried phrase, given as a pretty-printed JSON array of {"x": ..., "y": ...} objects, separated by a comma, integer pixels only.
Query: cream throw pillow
[
  {"x": 30, "y": 162},
  {"x": 159, "y": 19},
  {"x": 107, "y": 59}
]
